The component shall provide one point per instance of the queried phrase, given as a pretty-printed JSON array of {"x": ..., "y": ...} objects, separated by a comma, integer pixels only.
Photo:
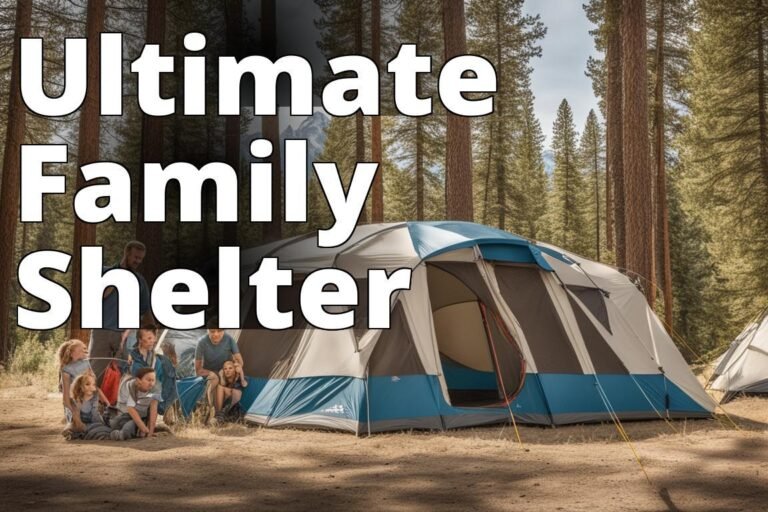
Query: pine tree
[
  {"x": 11, "y": 178},
  {"x": 88, "y": 152},
  {"x": 725, "y": 148},
  {"x": 566, "y": 224},
  {"x": 500, "y": 32},
  {"x": 635, "y": 147},
  {"x": 592, "y": 160},
  {"x": 417, "y": 144},
  {"x": 529, "y": 206},
  {"x": 458, "y": 153}
]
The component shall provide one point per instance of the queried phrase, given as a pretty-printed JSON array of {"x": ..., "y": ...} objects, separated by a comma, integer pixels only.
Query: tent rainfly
[
  {"x": 494, "y": 326},
  {"x": 743, "y": 368}
]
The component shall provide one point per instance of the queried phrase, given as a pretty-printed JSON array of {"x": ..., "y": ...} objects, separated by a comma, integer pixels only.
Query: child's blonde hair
[
  {"x": 65, "y": 351},
  {"x": 78, "y": 386}
]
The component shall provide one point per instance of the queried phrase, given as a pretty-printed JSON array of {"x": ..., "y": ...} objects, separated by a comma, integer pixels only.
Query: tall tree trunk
[
  {"x": 636, "y": 147},
  {"x": 487, "y": 185},
  {"x": 87, "y": 152},
  {"x": 270, "y": 125},
  {"x": 458, "y": 150},
  {"x": 614, "y": 128},
  {"x": 419, "y": 168},
  {"x": 662, "y": 208},
  {"x": 501, "y": 175},
  {"x": 359, "y": 121},
  {"x": 9, "y": 193},
  {"x": 762, "y": 88},
  {"x": 377, "y": 201},
  {"x": 233, "y": 11},
  {"x": 152, "y": 152},
  {"x": 595, "y": 170}
]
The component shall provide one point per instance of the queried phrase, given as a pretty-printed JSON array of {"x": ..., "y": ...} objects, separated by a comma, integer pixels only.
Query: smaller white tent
[{"x": 743, "y": 368}]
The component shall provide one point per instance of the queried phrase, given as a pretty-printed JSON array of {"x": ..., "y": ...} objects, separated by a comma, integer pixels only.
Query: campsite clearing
[{"x": 706, "y": 466}]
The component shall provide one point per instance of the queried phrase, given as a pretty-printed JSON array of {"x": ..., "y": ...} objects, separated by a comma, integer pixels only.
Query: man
[
  {"x": 213, "y": 350},
  {"x": 109, "y": 341}
]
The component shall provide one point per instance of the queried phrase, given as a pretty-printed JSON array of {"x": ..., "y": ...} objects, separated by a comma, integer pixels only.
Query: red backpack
[{"x": 110, "y": 383}]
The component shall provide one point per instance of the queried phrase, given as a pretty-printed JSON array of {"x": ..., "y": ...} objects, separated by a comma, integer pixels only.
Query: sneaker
[
  {"x": 117, "y": 435},
  {"x": 219, "y": 418},
  {"x": 67, "y": 434}
]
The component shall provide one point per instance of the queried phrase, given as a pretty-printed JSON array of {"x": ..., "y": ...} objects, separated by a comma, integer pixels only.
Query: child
[
  {"x": 87, "y": 422},
  {"x": 231, "y": 384},
  {"x": 138, "y": 407},
  {"x": 73, "y": 363}
]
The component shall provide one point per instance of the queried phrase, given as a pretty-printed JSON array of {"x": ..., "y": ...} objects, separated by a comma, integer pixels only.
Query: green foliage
[
  {"x": 566, "y": 221},
  {"x": 33, "y": 362},
  {"x": 592, "y": 164},
  {"x": 499, "y": 31}
]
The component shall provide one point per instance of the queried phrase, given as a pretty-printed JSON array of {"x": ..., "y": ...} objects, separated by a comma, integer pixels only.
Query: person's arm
[
  {"x": 152, "y": 418},
  {"x": 66, "y": 386},
  {"x": 238, "y": 360},
  {"x": 199, "y": 370},
  {"x": 241, "y": 375},
  {"x": 134, "y": 414},
  {"x": 103, "y": 397}
]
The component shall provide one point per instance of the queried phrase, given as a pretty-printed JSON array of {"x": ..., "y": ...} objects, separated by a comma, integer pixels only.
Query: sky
[{"x": 559, "y": 72}]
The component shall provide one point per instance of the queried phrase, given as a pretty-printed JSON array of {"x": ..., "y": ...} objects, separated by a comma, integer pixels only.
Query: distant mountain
[
  {"x": 549, "y": 161},
  {"x": 313, "y": 130}
]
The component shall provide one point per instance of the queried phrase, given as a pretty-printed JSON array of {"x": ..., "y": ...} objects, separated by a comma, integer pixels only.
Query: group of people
[{"x": 147, "y": 379}]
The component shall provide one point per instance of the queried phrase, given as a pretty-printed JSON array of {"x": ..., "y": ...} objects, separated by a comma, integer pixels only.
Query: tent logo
[
  {"x": 395, "y": 378},
  {"x": 334, "y": 409}
]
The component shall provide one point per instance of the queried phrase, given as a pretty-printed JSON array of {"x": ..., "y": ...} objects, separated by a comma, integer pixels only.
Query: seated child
[
  {"x": 87, "y": 422},
  {"x": 73, "y": 362},
  {"x": 137, "y": 406},
  {"x": 230, "y": 388},
  {"x": 144, "y": 356}
]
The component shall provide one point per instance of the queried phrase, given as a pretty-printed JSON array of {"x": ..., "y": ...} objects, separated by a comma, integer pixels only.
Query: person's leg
[
  {"x": 236, "y": 395},
  {"x": 221, "y": 392},
  {"x": 103, "y": 346}
]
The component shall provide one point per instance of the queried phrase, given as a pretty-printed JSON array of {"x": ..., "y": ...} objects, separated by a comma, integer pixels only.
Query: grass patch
[{"x": 32, "y": 363}]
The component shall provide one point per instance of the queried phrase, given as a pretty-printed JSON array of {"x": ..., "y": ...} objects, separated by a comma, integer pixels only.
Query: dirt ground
[{"x": 703, "y": 465}]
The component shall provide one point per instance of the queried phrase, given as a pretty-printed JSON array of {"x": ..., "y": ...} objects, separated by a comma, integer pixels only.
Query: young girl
[
  {"x": 87, "y": 422},
  {"x": 231, "y": 384},
  {"x": 73, "y": 363}
]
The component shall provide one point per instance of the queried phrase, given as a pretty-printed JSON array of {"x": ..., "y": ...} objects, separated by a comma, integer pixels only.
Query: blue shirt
[
  {"x": 110, "y": 302},
  {"x": 214, "y": 356}
]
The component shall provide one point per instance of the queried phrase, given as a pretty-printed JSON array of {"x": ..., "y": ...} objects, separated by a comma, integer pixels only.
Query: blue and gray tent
[{"x": 494, "y": 326}]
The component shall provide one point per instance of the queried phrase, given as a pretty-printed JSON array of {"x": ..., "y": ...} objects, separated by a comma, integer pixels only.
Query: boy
[{"x": 138, "y": 407}]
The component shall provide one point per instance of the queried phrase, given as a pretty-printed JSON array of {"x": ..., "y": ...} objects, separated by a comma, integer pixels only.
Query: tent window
[
  {"x": 594, "y": 301},
  {"x": 268, "y": 354},
  {"x": 527, "y": 297},
  {"x": 603, "y": 357}
]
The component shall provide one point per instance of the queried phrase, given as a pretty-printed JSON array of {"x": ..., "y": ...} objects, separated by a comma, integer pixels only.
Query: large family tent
[
  {"x": 743, "y": 368},
  {"x": 494, "y": 326}
]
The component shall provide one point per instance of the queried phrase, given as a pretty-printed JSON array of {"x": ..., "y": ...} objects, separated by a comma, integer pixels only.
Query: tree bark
[
  {"x": 9, "y": 193},
  {"x": 636, "y": 146},
  {"x": 377, "y": 201},
  {"x": 234, "y": 21},
  {"x": 270, "y": 125},
  {"x": 152, "y": 152},
  {"x": 762, "y": 87},
  {"x": 359, "y": 121},
  {"x": 501, "y": 171},
  {"x": 614, "y": 136},
  {"x": 419, "y": 168},
  {"x": 595, "y": 170},
  {"x": 662, "y": 207},
  {"x": 87, "y": 152},
  {"x": 458, "y": 151}
]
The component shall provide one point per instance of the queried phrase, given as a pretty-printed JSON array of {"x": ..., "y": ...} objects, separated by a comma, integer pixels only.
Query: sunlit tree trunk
[
  {"x": 458, "y": 151},
  {"x": 9, "y": 193},
  {"x": 638, "y": 189},
  {"x": 151, "y": 233},
  {"x": 87, "y": 152},
  {"x": 377, "y": 201}
]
